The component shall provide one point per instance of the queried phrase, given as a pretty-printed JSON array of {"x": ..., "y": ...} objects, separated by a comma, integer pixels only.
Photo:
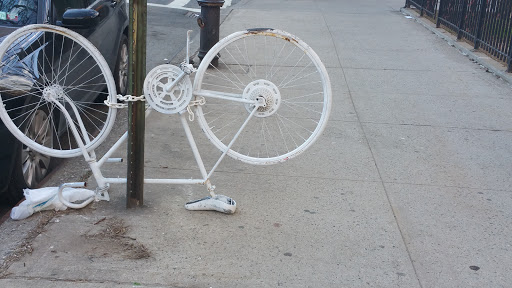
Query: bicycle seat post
[{"x": 187, "y": 60}]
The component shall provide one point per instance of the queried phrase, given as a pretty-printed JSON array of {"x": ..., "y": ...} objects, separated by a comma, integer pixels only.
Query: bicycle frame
[{"x": 104, "y": 182}]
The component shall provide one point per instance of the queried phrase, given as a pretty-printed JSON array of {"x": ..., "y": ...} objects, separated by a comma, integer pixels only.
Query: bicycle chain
[
  {"x": 191, "y": 115},
  {"x": 126, "y": 98}
]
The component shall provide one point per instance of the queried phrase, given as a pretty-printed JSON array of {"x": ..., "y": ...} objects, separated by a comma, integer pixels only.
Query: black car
[{"x": 106, "y": 29}]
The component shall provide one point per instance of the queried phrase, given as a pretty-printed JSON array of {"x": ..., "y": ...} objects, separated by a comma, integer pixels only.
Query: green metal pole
[{"x": 136, "y": 110}]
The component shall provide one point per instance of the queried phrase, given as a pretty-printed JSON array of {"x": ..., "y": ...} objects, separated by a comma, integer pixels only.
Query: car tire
[
  {"x": 14, "y": 192},
  {"x": 121, "y": 68}
]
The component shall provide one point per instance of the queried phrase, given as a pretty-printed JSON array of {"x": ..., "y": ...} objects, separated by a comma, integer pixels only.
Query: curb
[{"x": 465, "y": 51}]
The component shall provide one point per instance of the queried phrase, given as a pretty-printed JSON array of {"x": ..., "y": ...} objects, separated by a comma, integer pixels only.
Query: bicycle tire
[
  {"x": 266, "y": 63},
  {"x": 44, "y": 64}
]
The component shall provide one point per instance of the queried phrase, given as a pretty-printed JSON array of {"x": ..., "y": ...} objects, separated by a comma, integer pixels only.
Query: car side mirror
[{"x": 80, "y": 18}]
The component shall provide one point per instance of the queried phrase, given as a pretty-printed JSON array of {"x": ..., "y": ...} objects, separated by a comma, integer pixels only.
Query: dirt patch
[
  {"x": 26, "y": 247},
  {"x": 110, "y": 240},
  {"x": 106, "y": 238}
]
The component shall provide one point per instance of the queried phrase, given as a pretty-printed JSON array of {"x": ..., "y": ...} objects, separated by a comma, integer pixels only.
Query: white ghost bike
[{"x": 261, "y": 96}]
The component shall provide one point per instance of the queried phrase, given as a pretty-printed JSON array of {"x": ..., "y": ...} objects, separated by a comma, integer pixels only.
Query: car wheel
[
  {"x": 14, "y": 191},
  {"x": 34, "y": 164},
  {"x": 29, "y": 167},
  {"x": 121, "y": 69}
]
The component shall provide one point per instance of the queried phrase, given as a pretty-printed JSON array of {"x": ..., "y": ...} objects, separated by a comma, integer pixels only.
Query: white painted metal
[
  {"x": 267, "y": 91},
  {"x": 234, "y": 139},
  {"x": 225, "y": 96},
  {"x": 114, "y": 147},
  {"x": 167, "y": 89},
  {"x": 69, "y": 204},
  {"x": 89, "y": 156},
  {"x": 218, "y": 203},
  {"x": 261, "y": 99},
  {"x": 73, "y": 127},
  {"x": 193, "y": 146},
  {"x": 187, "y": 60},
  {"x": 230, "y": 63}
]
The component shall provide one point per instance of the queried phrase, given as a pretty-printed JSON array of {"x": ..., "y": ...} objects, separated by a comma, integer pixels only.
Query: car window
[{"x": 18, "y": 12}]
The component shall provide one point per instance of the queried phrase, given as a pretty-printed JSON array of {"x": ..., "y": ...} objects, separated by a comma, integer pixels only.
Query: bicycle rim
[
  {"x": 277, "y": 67},
  {"x": 43, "y": 65}
]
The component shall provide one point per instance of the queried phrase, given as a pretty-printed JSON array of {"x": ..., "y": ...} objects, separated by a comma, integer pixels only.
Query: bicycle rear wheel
[
  {"x": 280, "y": 69},
  {"x": 42, "y": 66}
]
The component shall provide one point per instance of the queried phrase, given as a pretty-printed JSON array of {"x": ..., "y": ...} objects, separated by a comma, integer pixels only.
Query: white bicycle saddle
[{"x": 218, "y": 203}]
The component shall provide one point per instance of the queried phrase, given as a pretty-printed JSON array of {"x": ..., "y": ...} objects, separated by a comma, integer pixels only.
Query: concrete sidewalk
[{"x": 410, "y": 185}]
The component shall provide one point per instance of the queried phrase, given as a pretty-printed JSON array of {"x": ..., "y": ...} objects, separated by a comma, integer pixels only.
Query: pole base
[{"x": 218, "y": 203}]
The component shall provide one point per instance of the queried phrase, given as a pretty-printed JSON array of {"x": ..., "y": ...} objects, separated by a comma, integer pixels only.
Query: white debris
[{"x": 47, "y": 199}]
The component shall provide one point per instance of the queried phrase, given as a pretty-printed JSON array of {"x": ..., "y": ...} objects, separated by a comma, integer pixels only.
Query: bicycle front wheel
[
  {"x": 47, "y": 69},
  {"x": 278, "y": 69}
]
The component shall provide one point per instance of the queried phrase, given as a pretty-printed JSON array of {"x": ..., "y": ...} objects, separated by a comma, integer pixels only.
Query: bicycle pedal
[{"x": 218, "y": 203}]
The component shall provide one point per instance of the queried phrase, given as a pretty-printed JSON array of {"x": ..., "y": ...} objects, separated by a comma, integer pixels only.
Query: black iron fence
[
  {"x": 426, "y": 7},
  {"x": 487, "y": 24}
]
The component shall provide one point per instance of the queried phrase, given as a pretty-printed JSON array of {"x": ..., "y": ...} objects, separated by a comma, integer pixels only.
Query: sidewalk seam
[{"x": 381, "y": 180}]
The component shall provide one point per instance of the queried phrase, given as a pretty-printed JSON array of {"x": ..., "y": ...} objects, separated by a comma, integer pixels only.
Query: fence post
[
  {"x": 462, "y": 20},
  {"x": 440, "y": 9},
  {"x": 407, "y": 4},
  {"x": 509, "y": 69},
  {"x": 422, "y": 7},
  {"x": 478, "y": 35}
]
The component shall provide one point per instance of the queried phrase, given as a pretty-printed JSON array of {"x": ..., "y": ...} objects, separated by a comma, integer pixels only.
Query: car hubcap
[{"x": 34, "y": 164}]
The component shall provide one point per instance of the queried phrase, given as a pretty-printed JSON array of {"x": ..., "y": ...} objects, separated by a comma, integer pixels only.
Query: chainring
[{"x": 163, "y": 98}]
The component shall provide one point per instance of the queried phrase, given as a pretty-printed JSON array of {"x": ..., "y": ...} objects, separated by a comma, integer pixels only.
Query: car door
[{"x": 107, "y": 35}]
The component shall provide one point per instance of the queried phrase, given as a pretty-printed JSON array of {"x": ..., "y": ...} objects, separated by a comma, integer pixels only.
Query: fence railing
[
  {"x": 487, "y": 24},
  {"x": 426, "y": 7}
]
